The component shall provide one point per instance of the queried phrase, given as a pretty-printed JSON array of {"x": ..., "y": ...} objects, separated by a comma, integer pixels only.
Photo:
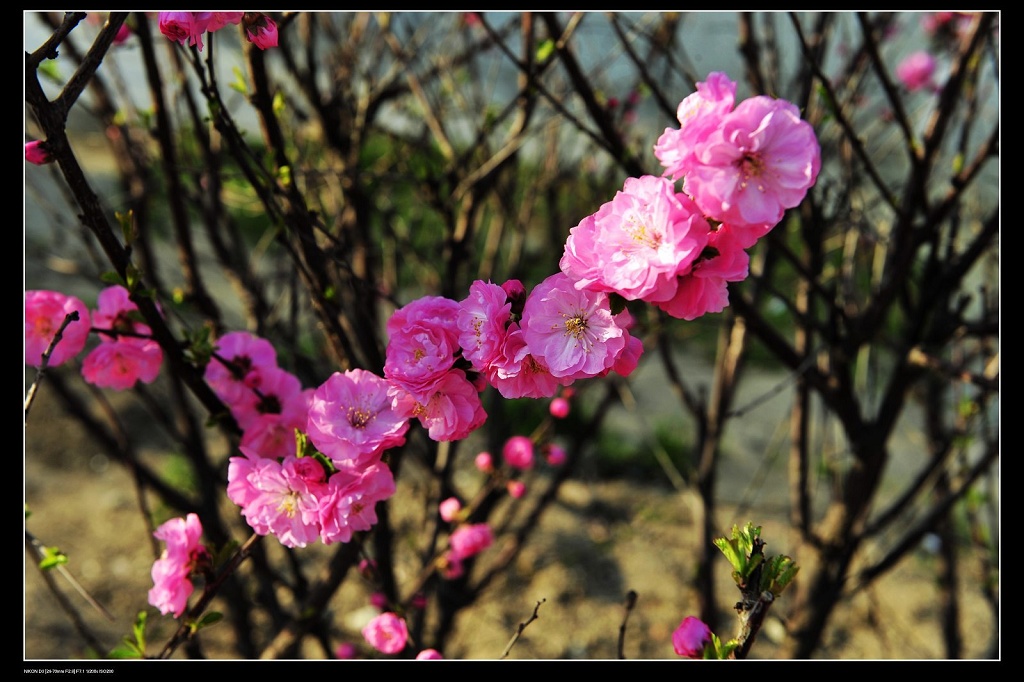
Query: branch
[{"x": 519, "y": 630}]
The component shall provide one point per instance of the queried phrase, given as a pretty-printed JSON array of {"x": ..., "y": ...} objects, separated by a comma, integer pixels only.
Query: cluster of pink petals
[
  {"x": 639, "y": 244},
  {"x": 298, "y": 500},
  {"x": 187, "y": 28},
  {"x": 45, "y": 312},
  {"x": 745, "y": 165},
  {"x": 387, "y": 633},
  {"x": 690, "y": 637},
  {"x": 422, "y": 364},
  {"x": 183, "y": 554},
  {"x": 916, "y": 70},
  {"x": 267, "y": 402},
  {"x": 126, "y": 353}
]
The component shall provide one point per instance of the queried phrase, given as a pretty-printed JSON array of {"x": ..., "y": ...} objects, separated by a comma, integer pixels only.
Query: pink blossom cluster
[
  {"x": 189, "y": 27},
  {"x": 742, "y": 166},
  {"x": 182, "y": 557},
  {"x": 126, "y": 352},
  {"x": 267, "y": 401},
  {"x": 302, "y": 499}
]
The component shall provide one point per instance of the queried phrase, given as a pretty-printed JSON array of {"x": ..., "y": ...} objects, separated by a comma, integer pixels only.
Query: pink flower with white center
[
  {"x": 423, "y": 341},
  {"x": 482, "y": 318},
  {"x": 351, "y": 419},
  {"x": 515, "y": 373},
  {"x": 518, "y": 452},
  {"x": 45, "y": 312},
  {"x": 349, "y": 503},
  {"x": 570, "y": 331},
  {"x": 450, "y": 508},
  {"x": 37, "y": 152},
  {"x": 184, "y": 27},
  {"x": 705, "y": 288},
  {"x": 238, "y": 365},
  {"x": 387, "y": 633},
  {"x": 280, "y": 499},
  {"x": 759, "y": 161},
  {"x": 636, "y": 244},
  {"x": 698, "y": 114},
  {"x": 690, "y": 637},
  {"x": 260, "y": 30},
  {"x": 469, "y": 540},
  {"x": 172, "y": 572},
  {"x": 916, "y": 70},
  {"x": 451, "y": 412}
]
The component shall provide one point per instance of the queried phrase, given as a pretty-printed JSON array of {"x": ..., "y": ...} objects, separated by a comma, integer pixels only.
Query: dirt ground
[{"x": 601, "y": 539}]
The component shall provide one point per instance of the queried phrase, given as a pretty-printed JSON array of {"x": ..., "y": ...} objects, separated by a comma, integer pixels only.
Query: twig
[
  {"x": 630, "y": 603},
  {"x": 30, "y": 398},
  {"x": 519, "y": 630}
]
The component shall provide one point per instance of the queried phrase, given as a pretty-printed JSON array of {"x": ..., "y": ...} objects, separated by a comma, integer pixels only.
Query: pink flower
[
  {"x": 45, "y": 312},
  {"x": 705, "y": 288},
  {"x": 184, "y": 27},
  {"x": 351, "y": 418},
  {"x": 469, "y": 540},
  {"x": 183, "y": 555},
  {"x": 698, "y": 114},
  {"x": 124, "y": 355},
  {"x": 237, "y": 367},
  {"x": 690, "y": 637},
  {"x": 559, "y": 408},
  {"x": 386, "y": 633},
  {"x": 423, "y": 340},
  {"x": 518, "y": 452},
  {"x": 37, "y": 152},
  {"x": 450, "y": 412},
  {"x": 759, "y": 161},
  {"x": 260, "y": 30},
  {"x": 349, "y": 503},
  {"x": 570, "y": 331},
  {"x": 484, "y": 462},
  {"x": 429, "y": 655},
  {"x": 280, "y": 499},
  {"x": 636, "y": 244},
  {"x": 916, "y": 70},
  {"x": 482, "y": 319},
  {"x": 450, "y": 508}
]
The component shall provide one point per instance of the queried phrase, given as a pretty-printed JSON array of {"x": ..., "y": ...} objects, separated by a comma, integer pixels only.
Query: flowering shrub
[{"x": 399, "y": 323}]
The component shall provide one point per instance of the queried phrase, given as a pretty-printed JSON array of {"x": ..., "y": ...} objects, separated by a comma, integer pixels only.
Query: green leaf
[
  {"x": 125, "y": 220},
  {"x": 52, "y": 557},
  {"x": 206, "y": 620},
  {"x": 544, "y": 50},
  {"x": 279, "y": 103},
  {"x": 239, "y": 84},
  {"x": 111, "y": 277}
]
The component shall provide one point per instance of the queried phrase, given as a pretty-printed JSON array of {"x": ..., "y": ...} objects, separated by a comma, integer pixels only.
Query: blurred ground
[{"x": 601, "y": 539}]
